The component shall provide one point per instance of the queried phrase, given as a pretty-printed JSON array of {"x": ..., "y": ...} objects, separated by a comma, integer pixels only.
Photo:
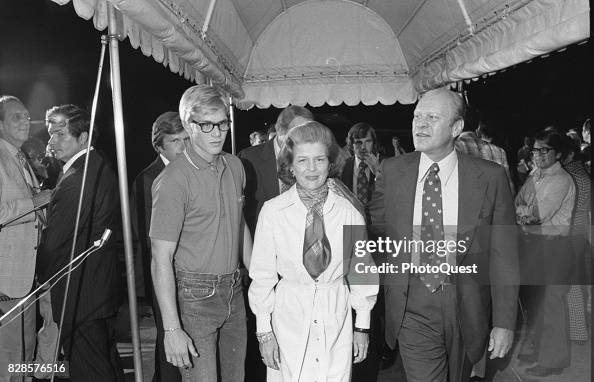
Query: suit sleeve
[
  {"x": 62, "y": 218},
  {"x": 503, "y": 260},
  {"x": 363, "y": 286}
]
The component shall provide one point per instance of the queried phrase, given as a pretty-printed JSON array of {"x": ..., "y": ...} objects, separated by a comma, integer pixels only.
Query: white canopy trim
[
  {"x": 327, "y": 52},
  {"x": 166, "y": 36},
  {"x": 515, "y": 35}
]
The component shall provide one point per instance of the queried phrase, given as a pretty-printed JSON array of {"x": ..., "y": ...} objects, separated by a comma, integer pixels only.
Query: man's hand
[
  {"x": 360, "y": 346},
  {"x": 373, "y": 163},
  {"x": 41, "y": 198},
  {"x": 500, "y": 342},
  {"x": 177, "y": 344},
  {"x": 270, "y": 353}
]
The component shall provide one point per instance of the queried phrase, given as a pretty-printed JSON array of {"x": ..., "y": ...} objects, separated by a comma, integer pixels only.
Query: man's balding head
[
  {"x": 438, "y": 120},
  {"x": 290, "y": 117}
]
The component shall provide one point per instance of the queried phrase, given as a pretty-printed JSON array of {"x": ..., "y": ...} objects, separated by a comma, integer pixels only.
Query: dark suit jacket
[
  {"x": 486, "y": 221},
  {"x": 94, "y": 285},
  {"x": 141, "y": 204},
  {"x": 261, "y": 185},
  {"x": 347, "y": 176}
]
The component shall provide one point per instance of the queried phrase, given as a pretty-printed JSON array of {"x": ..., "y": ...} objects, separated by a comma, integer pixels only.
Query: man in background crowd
[
  {"x": 169, "y": 141},
  {"x": 262, "y": 182},
  {"x": 92, "y": 299},
  {"x": 18, "y": 237},
  {"x": 479, "y": 145}
]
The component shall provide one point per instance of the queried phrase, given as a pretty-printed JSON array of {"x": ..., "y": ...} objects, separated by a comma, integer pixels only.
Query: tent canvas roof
[{"x": 280, "y": 52}]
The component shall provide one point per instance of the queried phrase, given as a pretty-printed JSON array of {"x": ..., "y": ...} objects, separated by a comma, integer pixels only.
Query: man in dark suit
[
  {"x": 441, "y": 320},
  {"x": 259, "y": 162},
  {"x": 88, "y": 335},
  {"x": 169, "y": 139},
  {"x": 359, "y": 172}
]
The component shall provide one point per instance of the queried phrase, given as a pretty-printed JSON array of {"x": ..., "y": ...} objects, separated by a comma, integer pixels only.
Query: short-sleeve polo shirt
[{"x": 198, "y": 205}]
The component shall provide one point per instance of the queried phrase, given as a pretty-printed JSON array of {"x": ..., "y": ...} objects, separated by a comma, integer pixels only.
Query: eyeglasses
[
  {"x": 542, "y": 150},
  {"x": 57, "y": 123},
  {"x": 20, "y": 117},
  {"x": 207, "y": 127}
]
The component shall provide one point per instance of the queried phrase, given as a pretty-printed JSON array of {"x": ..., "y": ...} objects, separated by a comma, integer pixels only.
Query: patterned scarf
[{"x": 316, "y": 247}]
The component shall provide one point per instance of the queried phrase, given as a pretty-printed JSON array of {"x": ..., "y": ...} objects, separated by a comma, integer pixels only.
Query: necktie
[
  {"x": 362, "y": 183},
  {"x": 25, "y": 170},
  {"x": 316, "y": 247},
  {"x": 284, "y": 186},
  {"x": 432, "y": 227}
]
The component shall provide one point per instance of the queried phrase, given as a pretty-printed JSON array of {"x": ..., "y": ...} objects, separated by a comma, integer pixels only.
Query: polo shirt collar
[{"x": 200, "y": 162}]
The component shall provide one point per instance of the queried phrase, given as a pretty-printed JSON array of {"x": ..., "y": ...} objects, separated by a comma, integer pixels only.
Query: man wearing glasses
[
  {"x": 18, "y": 237},
  {"x": 197, "y": 221}
]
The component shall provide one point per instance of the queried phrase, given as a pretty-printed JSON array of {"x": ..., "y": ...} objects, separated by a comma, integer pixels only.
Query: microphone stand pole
[
  {"x": 6, "y": 223},
  {"x": 95, "y": 247}
]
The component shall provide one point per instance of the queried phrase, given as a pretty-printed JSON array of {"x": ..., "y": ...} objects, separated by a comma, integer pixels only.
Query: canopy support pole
[
  {"x": 118, "y": 116},
  {"x": 211, "y": 7},
  {"x": 232, "y": 117},
  {"x": 466, "y": 17}
]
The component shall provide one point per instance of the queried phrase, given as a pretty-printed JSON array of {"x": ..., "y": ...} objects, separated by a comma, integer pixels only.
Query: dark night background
[{"x": 50, "y": 56}]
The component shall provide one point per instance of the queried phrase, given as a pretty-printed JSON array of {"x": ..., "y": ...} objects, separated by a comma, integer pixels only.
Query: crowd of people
[{"x": 258, "y": 250}]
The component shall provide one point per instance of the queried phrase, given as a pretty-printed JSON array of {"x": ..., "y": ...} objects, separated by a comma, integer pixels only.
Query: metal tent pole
[
  {"x": 232, "y": 117},
  {"x": 118, "y": 116}
]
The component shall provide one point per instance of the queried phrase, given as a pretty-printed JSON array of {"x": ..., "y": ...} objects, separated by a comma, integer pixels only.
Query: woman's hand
[
  {"x": 270, "y": 353},
  {"x": 360, "y": 346}
]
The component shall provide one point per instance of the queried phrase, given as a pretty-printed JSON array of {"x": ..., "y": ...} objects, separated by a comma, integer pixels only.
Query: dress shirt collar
[
  {"x": 357, "y": 163},
  {"x": 446, "y": 167},
  {"x": 165, "y": 160},
  {"x": 71, "y": 161}
]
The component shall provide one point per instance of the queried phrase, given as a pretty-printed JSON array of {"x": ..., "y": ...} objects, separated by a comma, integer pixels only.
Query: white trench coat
[{"x": 311, "y": 319}]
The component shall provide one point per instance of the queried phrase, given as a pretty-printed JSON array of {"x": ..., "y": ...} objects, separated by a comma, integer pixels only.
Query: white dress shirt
[{"x": 71, "y": 161}]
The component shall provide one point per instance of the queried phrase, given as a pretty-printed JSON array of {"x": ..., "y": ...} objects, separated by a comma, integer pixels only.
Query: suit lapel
[
  {"x": 269, "y": 164},
  {"x": 406, "y": 185},
  {"x": 471, "y": 194}
]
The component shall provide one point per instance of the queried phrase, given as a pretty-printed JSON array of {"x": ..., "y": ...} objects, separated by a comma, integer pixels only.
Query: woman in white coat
[{"x": 303, "y": 281}]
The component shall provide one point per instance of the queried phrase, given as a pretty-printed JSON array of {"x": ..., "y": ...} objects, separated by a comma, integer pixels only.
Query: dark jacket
[{"x": 95, "y": 284}]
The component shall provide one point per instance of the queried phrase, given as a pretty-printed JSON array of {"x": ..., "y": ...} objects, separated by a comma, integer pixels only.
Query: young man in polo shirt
[{"x": 197, "y": 221}]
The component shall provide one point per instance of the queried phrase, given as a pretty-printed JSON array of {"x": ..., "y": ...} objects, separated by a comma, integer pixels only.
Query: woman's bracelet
[
  {"x": 170, "y": 330},
  {"x": 264, "y": 337},
  {"x": 361, "y": 330}
]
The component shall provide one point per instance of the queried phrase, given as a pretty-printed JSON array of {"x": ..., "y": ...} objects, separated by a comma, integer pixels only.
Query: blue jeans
[{"x": 213, "y": 315}]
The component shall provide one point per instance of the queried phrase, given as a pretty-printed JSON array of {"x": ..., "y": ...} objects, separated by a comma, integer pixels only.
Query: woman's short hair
[
  {"x": 310, "y": 132},
  {"x": 167, "y": 123},
  {"x": 201, "y": 97},
  {"x": 79, "y": 120}
]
